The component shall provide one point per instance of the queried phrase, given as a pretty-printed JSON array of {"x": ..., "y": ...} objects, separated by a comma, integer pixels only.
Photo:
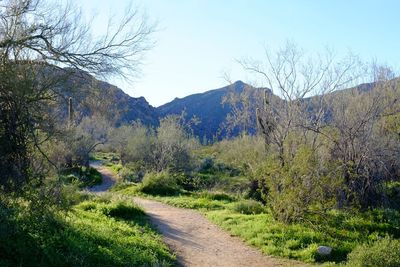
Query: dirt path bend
[
  {"x": 108, "y": 177},
  {"x": 197, "y": 242}
]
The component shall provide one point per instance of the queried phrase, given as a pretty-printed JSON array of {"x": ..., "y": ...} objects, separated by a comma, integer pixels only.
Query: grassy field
[
  {"x": 249, "y": 220},
  {"x": 95, "y": 232}
]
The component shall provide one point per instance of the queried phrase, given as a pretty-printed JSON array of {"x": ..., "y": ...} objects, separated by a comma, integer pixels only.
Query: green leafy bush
[
  {"x": 115, "y": 167},
  {"x": 123, "y": 210},
  {"x": 82, "y": 176},
  {"x": 248, "y": 207},
  {"x": 90, "y": 234},
  {"x": 160, "y": 184},
  {"x": 128, "y": 175},
  {"x": 216, "y": 196},
  {"x": 121, "y": 186},
  {"x": 298, "y": 186},
  {"x": 392, "y": 192},
  {"x": 383, "y": 253},
  {"x": 196, "y": 181}
]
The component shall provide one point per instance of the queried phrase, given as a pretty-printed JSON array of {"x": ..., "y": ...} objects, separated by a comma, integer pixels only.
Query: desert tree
[
  {"x": 174, "y": 144},
  {"x": 343, "y": 128},
  {"x": 292, "y": 77},
  {"x": 166, "y": 147},
  {"x": 365, "y": 154},
  {"x": 41, "y": 43},
  {"x": 295, "y": 121},
  {"x": 242, "y": 100}
]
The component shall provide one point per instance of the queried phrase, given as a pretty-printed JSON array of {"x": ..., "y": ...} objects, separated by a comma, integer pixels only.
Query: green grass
[
  {"x": 98, "y": 232},
  {"x": 115, "y": 168},
  {"x": 384, "y": 252},
  {"x": 108, "y": 159},
  {"x": 248, "y": 207},
  {"x": 105, "y": 156},
  {"x": 343, "y": 231},
  {"x": 81, "y": 176}
]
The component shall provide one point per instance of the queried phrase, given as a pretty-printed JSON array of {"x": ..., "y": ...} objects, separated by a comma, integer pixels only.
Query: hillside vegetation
[{"x": 94, "y": 232}]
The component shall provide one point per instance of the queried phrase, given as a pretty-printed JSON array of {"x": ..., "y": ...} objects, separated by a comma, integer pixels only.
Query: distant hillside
[
  {"x": 94, "y": 97},
  {"x": 207, "y": 107},
  {"x": 91, "y": 96}
]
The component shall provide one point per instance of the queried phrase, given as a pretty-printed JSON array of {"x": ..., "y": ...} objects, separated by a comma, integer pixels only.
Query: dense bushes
[
  {"x": 391, "y": 194},
  {"x": 159, "y": 184},
  {"x": 215, "y": 195},
  {"x": 248, "y": 207},
  {"x": 82, "y": 176},
  {"x": 117, "y": 209},
  {"x": 297, "y": 187},
  {"x": 384, "y": 253},
  {"x": 132, "y": 172},
  {"x": 169, "y": 146},
  {"x": 97, "y": 232}
]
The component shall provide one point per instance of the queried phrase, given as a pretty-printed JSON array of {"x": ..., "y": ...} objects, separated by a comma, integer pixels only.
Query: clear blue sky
[{"x": 199, "y": 40}]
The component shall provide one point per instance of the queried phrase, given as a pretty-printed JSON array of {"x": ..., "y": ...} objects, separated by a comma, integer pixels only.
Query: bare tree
[
  {"x": 56, "y": 34},
  {"x": 242, "y": 103},
  {"x": 37, "y": 39},
  {"x": 363, "y": 153},
  {"x": 342, "y": 127},
  {"x": 293, "y": 76}
]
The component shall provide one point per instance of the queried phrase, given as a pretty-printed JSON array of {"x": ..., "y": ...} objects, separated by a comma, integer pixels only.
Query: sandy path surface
[
  {"x": 194, "y": 240},
  {"x": 108, "y": 178},
  {"x": 197, "y": 242}
]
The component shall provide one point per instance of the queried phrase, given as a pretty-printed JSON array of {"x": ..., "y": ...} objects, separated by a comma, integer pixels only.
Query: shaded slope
[{"x": 94, "y": 97}]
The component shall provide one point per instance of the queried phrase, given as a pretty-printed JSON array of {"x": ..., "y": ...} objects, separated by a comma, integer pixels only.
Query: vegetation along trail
[
  {"x": 108, "y": 177},
  {"x": 195, "y": 240}
]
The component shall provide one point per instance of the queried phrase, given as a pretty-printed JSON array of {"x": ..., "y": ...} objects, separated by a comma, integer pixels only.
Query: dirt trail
[
  {"x": 108, "y": 177},
  {"x": 196, "y": 241}
]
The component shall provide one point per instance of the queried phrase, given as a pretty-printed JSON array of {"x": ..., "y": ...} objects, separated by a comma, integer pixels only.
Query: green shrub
[
  {"x": 291, "y": 190},
  {"x": 132, "y": 172},
  {"x": 122, "y": 210},
  {"x": 392, "y": 192},
  {"x": 248, "y": 207},
  {"x": 119, "y": 186},
  {"x": 383, "y": 253},
  {"x": 91, "y": 177},
  {"x": 206, "y": 165},
  {"x": 162, "y": 184},
  {"x": 198, "y": 181},
  {"x": 216, "y": 196},
  {"x": 82, "y": 176},
  {"x": 128, "y": 175},
  {"x": 114, "y": 167},
  {"x": 90, "y": 234}
]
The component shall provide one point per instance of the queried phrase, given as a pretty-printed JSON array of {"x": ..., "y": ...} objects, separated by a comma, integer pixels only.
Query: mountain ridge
[{"x": 207, "y": 106}]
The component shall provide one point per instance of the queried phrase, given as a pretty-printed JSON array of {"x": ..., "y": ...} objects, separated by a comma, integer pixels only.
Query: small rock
[{"x": 324, "y": 250}]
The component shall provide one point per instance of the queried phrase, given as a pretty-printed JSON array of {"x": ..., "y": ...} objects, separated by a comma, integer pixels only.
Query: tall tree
[
  {"x": 294, "y": 76},
  {"x": 41, "y": 44}
]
